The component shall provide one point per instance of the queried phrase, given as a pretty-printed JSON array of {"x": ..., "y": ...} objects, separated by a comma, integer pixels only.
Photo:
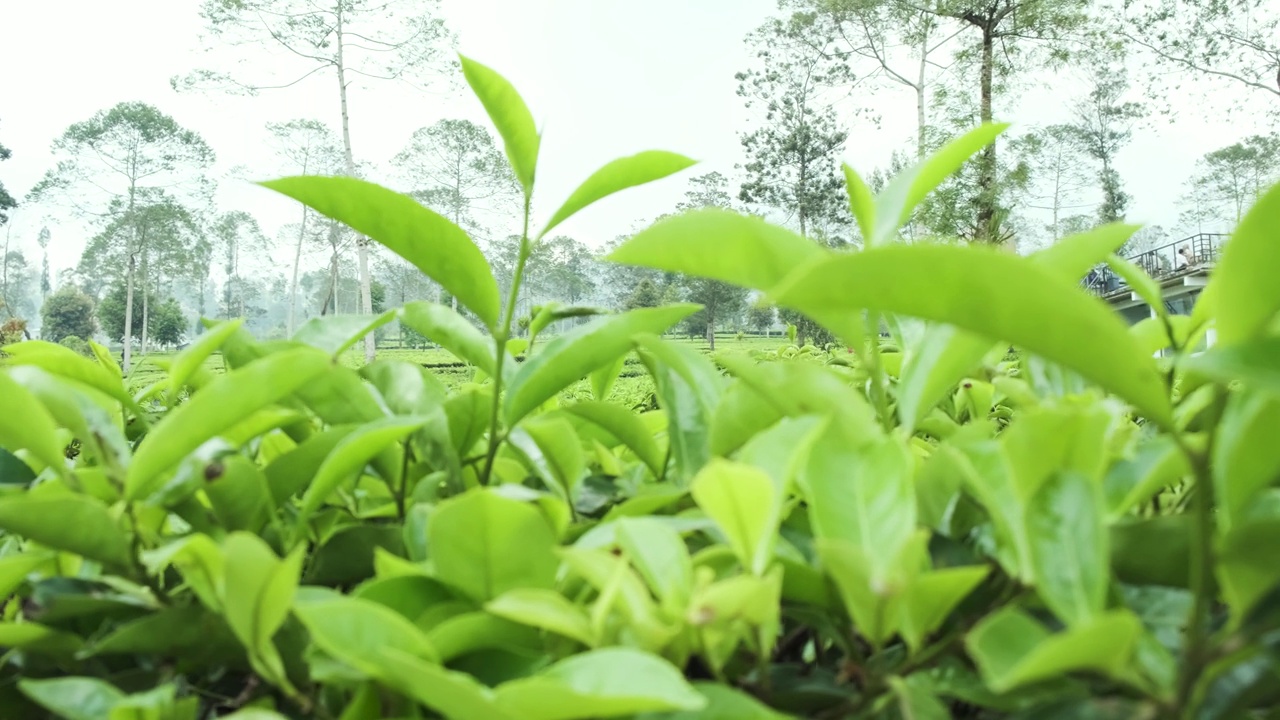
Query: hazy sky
[{"x": 604, "y": 78}]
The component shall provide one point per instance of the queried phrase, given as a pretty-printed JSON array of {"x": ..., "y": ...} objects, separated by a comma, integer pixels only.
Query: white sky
[{"x": 604, "y": 78}]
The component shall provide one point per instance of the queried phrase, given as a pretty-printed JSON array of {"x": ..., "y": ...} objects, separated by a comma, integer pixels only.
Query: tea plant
[{"x": 920, "y": 527}]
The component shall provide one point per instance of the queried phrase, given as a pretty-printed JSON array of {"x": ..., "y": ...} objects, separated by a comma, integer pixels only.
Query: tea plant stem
[
  {"x": 879, "y": 392},
  {"x": 1196, "y": 655},
  {"x": 504, "y": 334},
  {"x": 404, "y": 481}
]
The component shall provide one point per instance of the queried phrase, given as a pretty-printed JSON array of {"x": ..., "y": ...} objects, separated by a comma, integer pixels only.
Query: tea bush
[{"x": 925, "y": 527}]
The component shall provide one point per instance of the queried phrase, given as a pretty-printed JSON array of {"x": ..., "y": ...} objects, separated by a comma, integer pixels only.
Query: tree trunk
[
  {"x": 711, "y": 332},
  {"x": 362, "y": 243},
  {"x": 985, "y": 227},
  {"x": 146, "y": 314},
  {"x": 921, "y": 117},
  {"x": 127, "y": 358},
  {"x": 297, "y": 261}
]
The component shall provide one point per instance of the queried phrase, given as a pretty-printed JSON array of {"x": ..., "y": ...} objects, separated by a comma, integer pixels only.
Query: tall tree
[
  {"x": 1234, "y": 43},
  {"x": 1228, "y": 180},
  {"x": 1103, "y": 120},
  {"x": 237, "y": 233},
  {"x": 792, "y": 154},
  {"x": 1059, "y": 175},
  {"x": 894, "y": 43},
  {"x": 352, "y": 39},
  {"x": 43, "y": 241},
  {"x": 107, "y": 164},
  {"x": 158, "y": 238},
  {"x": 304, "y": 147},
  {"x": 1004, "y": 38},
  {"x": 7, "y": 201}
]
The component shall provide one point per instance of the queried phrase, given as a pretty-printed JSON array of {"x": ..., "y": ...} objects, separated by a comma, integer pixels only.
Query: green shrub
[
  {"x": 77, "y": 345},
  {"x": 919, "y": 528}
]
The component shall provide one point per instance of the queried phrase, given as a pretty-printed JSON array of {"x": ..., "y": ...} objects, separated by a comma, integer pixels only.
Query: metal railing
[{"x": 1197, "y": 252}]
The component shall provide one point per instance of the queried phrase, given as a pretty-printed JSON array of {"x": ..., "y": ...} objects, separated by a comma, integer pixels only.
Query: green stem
[
  {"x": 495, "y": 438},
  {"x": 1196, "y": 655},
  {"x": 879, "y": 391},
  {"x": 404, "y": 481},
  {"x": 136, "y": 557}
]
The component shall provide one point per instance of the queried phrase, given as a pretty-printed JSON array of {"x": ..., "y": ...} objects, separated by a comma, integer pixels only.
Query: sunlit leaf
[
  {"x": 619, "y": 175},
  {"x": 336, "y": 333},
  {"x": 73, "y": 523},
  {"x": 990, "y": 293},
  {"x": 1243, "y": 290},
  {"x": 719, "y": 244},
  {"x": 571, "y": 356},
  {"x": 428, "y": 240},
  {"x": 612, "y": 682},
  {"x": 484, "y": 545},
  {"x": 441, "y": 325},
  {"x": 510, "y": 116},
  {"x": 907, "y": 189},
  {"x": 217, "y": 407}
]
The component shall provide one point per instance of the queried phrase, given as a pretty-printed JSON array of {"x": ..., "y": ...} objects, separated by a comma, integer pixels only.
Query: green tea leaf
[
  {"x": 73, "y": 698},
  {"x": 1244, "y": 295},
  {"x": 71, "y": 365},
  {"x": 1069, "y": 547},
  {"x": 218, "y": 406},
  {"x": 1256, "y": 362},
  {"x": 544, "y": 609},
  {"x": 931, "y": 596},
  {"x": 187, "y": 362},
  {"x": 624, "y": 425},
  {"x": 659, "y": 553},
  {"x": 510, "y": 116},
  {"x": 257, "y": 594},
  {"x": 358, "y": 631},
  {"x": 908, "y": 188},
  {"x": 455, "y": 695},
  {"x": 473, "y": 632},
  {"x": 1141, "y": 283},
  {"x": 1012, "y": 650},
  {"x": 349, "y": 457},
  {"x": 25, "y": 424},
  {"x": 1157, "y": 465},
  {"x": 862, "y": 202},
  {"x": 1155, "y": 551},
  {"x": 863, "y": 496},
  {"x": 603, "y": 378},
  {"x": 869, "y": 598},
  {"x": 947, "y": 354},
  {"x": 571, "y": 356},
  {"x": 336, "y": 333},
  {"x": 747, "y": 506},
  {"x": 606, "y": 683},
  {"x": 444, "y": 326},
  {"x": 433, "y": 244},
  {"x": 991, "y": 293},
  {"x": 618, "y": 175},
  {"x": 39, "y": 639},
  {"x": 239, "y": 496},
  {"x": 73, "y": 523},
  {"x": 719, "y": 244},
  {"x": 201, "y": 562},
  {"x": 551, "y": 448},
  {"x": 484, "y": 545},
  {"x": 1246, "y": 457},
  {"x": 723, "y": 703},
  {"x": 688, "y": 388}
]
